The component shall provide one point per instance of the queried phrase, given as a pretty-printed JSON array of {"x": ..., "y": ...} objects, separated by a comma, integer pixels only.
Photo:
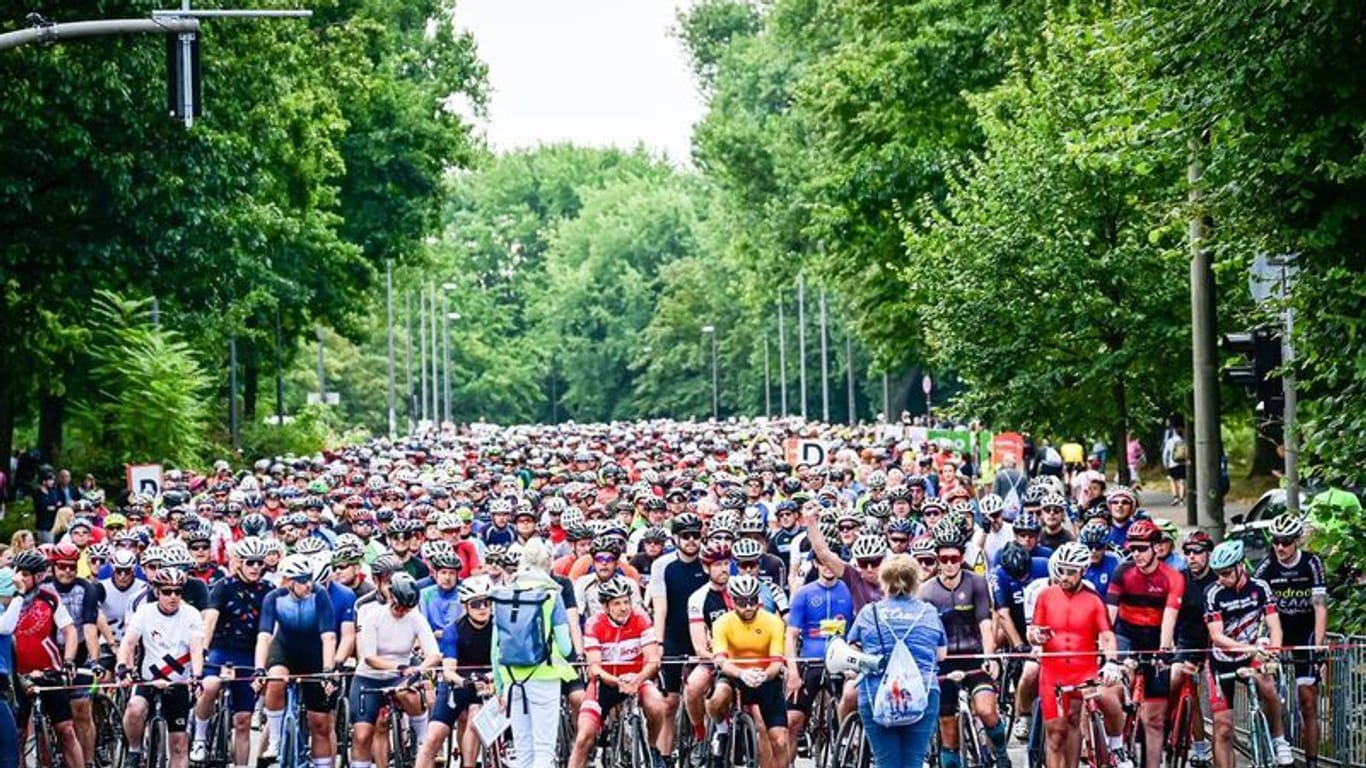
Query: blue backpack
[{"x": 523, "y": 636}]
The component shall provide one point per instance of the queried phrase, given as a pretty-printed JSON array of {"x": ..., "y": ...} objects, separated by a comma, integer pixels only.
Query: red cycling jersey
[
  {"x": 622, "y": 646},
  {"x": 1142, "y": 597},
  {"x": 1077, "y": 620}
]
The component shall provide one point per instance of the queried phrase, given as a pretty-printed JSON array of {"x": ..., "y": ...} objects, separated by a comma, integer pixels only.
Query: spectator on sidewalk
[{"x": 47, "y": 499}]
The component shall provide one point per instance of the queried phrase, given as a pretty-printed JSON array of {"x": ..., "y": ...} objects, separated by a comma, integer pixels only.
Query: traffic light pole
[
  {"x": 56, "y": 33},
  {"x": 1209, "y": 504},
  {"x": 1289, "y": 421}
]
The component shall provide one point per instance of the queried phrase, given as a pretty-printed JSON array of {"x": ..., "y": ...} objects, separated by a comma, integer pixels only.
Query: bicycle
[
  {"x": 156, "y": 736},
  {"x": 293, "y": 752},
  {"x": 627, "y": 742},
  {"x": 851, "y": 748},
  {"x": 1095, "y": 748},
  {"x": 1185, "y": 706},
  {"x": 342, "y": 718},
  {"x": 43, "y": 747},
  {"x": 402, "y": 739},
  {"x": 974, "y": 749},
  {"x": 737, "y": 745},
  {"x": 107, "y": 706},
  {"x": 1261, "y": 751},
  {"x": 822, "y": 726},
  {"x": 498, "y": 753},
  {"x": 219, "y": 744}
]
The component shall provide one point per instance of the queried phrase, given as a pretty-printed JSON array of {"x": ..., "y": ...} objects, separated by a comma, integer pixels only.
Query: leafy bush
[{"x": 150, "y": 399}]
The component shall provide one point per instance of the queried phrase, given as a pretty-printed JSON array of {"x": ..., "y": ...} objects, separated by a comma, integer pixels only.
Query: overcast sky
[{"x": 596, "y": 72}]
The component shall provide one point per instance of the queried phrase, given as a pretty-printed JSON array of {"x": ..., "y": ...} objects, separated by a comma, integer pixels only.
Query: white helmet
[{"x": 296, "y": 567}]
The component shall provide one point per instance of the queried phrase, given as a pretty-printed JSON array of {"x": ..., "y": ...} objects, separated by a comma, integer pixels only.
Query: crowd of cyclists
[{"x": 566, "y": 575}]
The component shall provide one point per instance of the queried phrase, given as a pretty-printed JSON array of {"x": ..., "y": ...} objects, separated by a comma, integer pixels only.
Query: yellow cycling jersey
[{"x": 749, "y": 644}]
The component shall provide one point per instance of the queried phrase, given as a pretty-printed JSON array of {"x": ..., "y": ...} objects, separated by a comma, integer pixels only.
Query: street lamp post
[
  {"x": 715, "y": 401},
  {"x": 446, "y": 313}
]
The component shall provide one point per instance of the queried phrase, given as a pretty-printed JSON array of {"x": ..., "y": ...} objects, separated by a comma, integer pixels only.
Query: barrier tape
[{"x": 687, "y": 660}]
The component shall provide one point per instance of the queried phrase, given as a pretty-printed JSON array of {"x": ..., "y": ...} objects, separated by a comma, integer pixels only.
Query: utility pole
[
  {"x": 322, "y": 372},
  {"x": 389, "y": 327},
  {"x": 446, "y": 352},
  {"x": 782, "y": 360},
  {"x": 408, "y": 355},
  {"x": 279, "y": 370},
  {"x": 801, "y": 339},
  {"x": 436, "y": 363},
  {"x": 886, "y": 398},
  {"x": 1209, "y": 504},
  {"x": 422, "y": 353},
  {"x": 234, "y": 431},
  {"x": 849, "y": 365},
  {"x": 768, "y": 388},
  {"x": 825, "y": 366}
]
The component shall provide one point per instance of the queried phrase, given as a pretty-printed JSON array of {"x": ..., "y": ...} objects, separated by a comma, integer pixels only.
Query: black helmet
[
  {"x": 1015, "y": 560},
  {"x": 687, "y": 523},
  {"x": 403, "y": 589},
  {"x": 30, "y": 561}
]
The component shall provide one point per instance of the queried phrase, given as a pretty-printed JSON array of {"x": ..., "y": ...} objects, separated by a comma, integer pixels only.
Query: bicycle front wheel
[
  {"x": 1179, "y": 740},
  {"x": 633, "y": 730},
  {"x": 343, "y": 722},
  {"x": 158, "y": 745},
  {"x": 971, "y": 750},
  {"x": 1262, "y": 753},
  {"x": 1098, "y": 748},
  {"x": 744, "y": 743}
]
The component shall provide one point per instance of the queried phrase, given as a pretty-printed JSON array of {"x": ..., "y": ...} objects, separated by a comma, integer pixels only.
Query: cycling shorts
[
  {"x": 56, "y": 706},
  {"x": 671, "y": 674},
  {"x": 452, "y": 702},
  {"x": 603, "y": 698},
  {"x": 812, "y": 677},
  {"x": 1221, "y": 691},
  {"x": 1156, "y": 685},
  {"x": 366, "y": 700},
  {"x": 1305, "y": 672},
  {"x": 315, "y": 698},
  {"x": 974, "y": 682},
  {"x": 768, "y": 697},
  {"x": 175, "y": 704},
  {"x": 242, "y": 662}
]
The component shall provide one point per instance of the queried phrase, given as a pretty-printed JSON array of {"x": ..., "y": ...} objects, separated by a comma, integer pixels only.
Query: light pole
[
  {"x": 450, "y": 392},
  {"x": 422, "y": 353},
  {"x": 710, "y": 330},
  {"x": 446, "y": 313},
  {"x": 389, "y": 333},
  {"x": 782, "y": 361}
]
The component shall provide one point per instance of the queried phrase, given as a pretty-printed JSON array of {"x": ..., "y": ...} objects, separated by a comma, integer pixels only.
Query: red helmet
[
  {"x": 1144, "y": 531},
  {"x": 65, "y": 553}
]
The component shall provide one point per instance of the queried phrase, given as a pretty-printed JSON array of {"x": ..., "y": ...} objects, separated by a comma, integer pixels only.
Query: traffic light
[
  {"x": 1260, "y": 349},
  {"x": 184, "y": 90}
]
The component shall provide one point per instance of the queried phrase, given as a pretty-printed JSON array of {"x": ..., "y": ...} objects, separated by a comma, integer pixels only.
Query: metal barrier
[{"x": 1342, "y": 704}]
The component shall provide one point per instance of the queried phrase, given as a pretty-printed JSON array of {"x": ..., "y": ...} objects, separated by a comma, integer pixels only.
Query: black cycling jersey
[
  {"x": 239, "y": 613},
  {"x": 962, "y": 609},
  {"x": 1242, "y": 610},
  {"x": 473, "y": 646},
  {"x": 1191, "y": 630},
  {"x": 1295, "y": 586},
  {"x": 681, "y": 580},
  {"x": 780, "y": 541}
]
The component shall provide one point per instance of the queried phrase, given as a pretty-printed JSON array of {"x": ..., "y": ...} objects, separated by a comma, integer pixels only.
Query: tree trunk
[
  {"x": 1265, "y": 457},
  {"x": 250, "y": 390},
  {"x": 51, "y": 413},
  {"x": 1120, "y": 437},
  {"x": 7, "y": 438}
]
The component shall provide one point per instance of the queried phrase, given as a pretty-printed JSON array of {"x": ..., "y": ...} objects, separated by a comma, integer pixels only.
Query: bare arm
[{"x": 819, "y": 545}]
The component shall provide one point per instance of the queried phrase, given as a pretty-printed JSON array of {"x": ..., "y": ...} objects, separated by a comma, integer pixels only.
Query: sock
[
  {"x": 419, "y": 723},
  {"x": 699, "y": 731},
  {"x": 275, "y": 724},
  {"x": 361, "y": 764},
  {"x": 949, "y": 758},
  {"x": 997, "y": 734},
  {"x": 201, "y": 729},
  {"x": 322, "y": 762},
  {"x": 1114, "y": 742},
  {"x": 723, "y": 726},
  {"x": 1200, "y": 747}
]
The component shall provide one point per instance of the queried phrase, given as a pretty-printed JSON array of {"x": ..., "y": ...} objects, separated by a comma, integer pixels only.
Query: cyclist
[
  {"x": 859, "y": 574},
  {"x": 1165, "y": 546},
  {"x": 780, "y": 538},
  {"x": 465, "y": 648},
  {"x": 772, "y": 569},
  {"x": 170, "y": 636},
  {"x": 1297, "y": 579},
  {"x": 820, "y": 610},
  {"x": 678, "y": 575},
  {"x": 1122, "y": 503},
  {"x": 1070, "y": 623},
  {"x": 1014, "y": 571},
  {"x": 82, "y": 602},
  {"x": 1144, "y": 597},
  {"x": 1237, "y": 610},
  {"x": 1192, "y": 636},
  {"x": 39, "y": 621},
  {"x": 607, "y": 551},
  {"x": 1053, "y": 513},
  {"x": 297, "y": 636},
  {"x": 203, "y": 567},
  {"x": 749, "y": 644},
  {"x": 1096, "y": 536},
  {"x": 439, "y": 601},
  {"x": 231, "y": 624},
  {"x": 623, "y": 655},
  {"x": 705, "y": 606},
  {"x": 116, "y": 592},
  {"x": 749, "y": 556},
  {"x": 386, "y": 636},
  {"x": 963, "y": 600}
]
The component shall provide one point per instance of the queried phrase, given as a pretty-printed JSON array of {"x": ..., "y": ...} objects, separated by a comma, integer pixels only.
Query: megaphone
[{"x": 841, "y": 657}]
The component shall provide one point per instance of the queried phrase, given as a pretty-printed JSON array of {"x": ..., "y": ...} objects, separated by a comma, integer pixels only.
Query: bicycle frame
[
  {"x": 1094, "y": 743},
  {"x": 1261, "y": 750}
]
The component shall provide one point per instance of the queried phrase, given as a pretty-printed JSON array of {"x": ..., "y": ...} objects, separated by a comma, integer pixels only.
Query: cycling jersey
[
  {"x": 1051, "y": 540},
  {"x": 35, "y": 621},
  {"x": 1119, "y": 533},
  {"x": 1143, "y": 597},
  {"x": 677, "y": 581},
  {"x": 1296, "y": 586},
  {"x": 165, "y": 640},
  {"x": 209, "y": 573},
  {"x": 343, "y": 606},
  {"x": 1008, "y": 592},
  {"x": 381, "y": 635},
  {"x": 707, "y": 605},
  {"x": 621, "y": 645},
  {"x": 1242, "y": 610},
  {"x": 298, "y": 623},
  {"x": 116, "y": 604},
  {"x": 862, "y": 592},
  {"x": 440, "y": 606},
  {"x": 196, "y": 595},
  {"x": 962, "y": 610},
  {"x": 1191, "y": 630},
  {"x": 753, "y": 643},
  {"x": 468, "y": 644},
  {"x": 494, "y": 536},
  {"x": 1077, "y": 620},
  {"x": 780, "y": 541},
  {"x": 1099, "y": 575},
  {"x": 820, "y": 612},
  {"x": 82, "y": 602},
  {"x": 238, "y": 604}
]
